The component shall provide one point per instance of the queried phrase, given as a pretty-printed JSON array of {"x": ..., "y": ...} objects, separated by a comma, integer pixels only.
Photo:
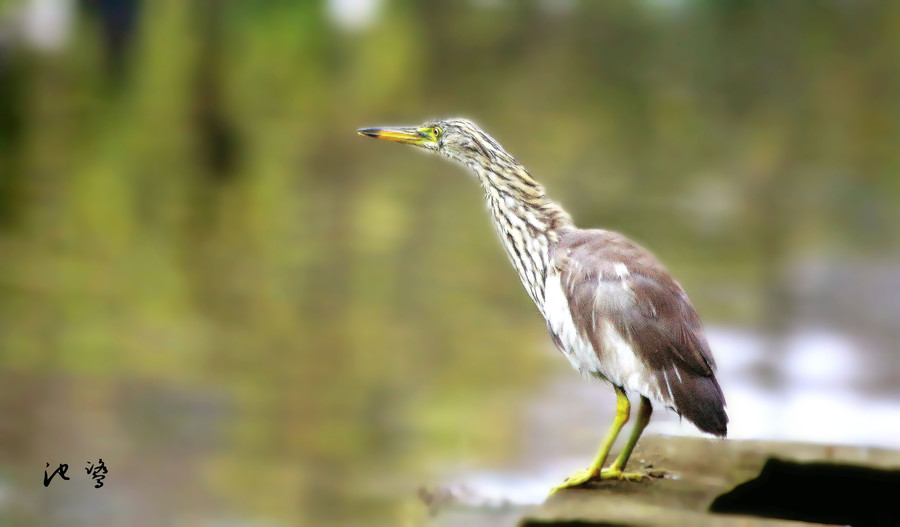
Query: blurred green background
[{"x": 256, "y": 317}]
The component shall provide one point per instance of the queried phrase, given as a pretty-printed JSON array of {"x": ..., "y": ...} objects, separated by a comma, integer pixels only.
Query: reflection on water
[{"x": 825, "y": 393}]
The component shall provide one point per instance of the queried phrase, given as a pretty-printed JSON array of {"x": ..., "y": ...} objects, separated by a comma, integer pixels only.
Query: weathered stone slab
[{"x": 698, "y": 471}]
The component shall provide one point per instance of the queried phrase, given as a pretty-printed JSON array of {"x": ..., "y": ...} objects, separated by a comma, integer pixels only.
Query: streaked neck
[{"x": 526, "y": 219}]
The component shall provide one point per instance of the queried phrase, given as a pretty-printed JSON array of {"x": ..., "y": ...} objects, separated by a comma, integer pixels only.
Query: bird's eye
[{"x": 436, "y": 132}]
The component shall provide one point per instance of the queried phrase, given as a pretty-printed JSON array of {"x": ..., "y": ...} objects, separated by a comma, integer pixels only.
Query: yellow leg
[
  {"x": 616, "y": 470},
  {"x": 623, "y": 411}
]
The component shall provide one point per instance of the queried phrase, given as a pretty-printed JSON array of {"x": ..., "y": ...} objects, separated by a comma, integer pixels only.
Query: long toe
[
  {"x": 608, "y": 474},
  {"x": 575, "y": 480}
]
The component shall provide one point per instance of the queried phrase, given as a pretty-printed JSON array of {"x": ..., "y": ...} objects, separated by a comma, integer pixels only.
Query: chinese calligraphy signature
[{"x": 97, "y": 472}]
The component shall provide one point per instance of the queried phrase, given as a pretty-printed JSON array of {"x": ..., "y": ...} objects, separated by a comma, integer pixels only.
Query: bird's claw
[{"x": 575, "y": 480}]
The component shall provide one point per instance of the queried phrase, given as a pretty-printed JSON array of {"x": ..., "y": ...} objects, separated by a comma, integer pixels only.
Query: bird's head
[{"x": 458, "y": 139}]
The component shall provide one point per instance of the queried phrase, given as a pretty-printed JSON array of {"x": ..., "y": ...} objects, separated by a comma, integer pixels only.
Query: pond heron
[{"x": 610, "y": 306}]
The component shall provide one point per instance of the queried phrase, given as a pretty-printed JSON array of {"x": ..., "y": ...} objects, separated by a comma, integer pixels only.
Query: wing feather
[{"x": 609, "y": 279}]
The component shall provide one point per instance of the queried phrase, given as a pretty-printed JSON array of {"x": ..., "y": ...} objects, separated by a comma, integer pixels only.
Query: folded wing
[{"x": 621, "y": 298}]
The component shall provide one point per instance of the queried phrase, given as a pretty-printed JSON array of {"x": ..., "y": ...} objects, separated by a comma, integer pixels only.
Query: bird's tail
[{"x": 700, "y": 399}]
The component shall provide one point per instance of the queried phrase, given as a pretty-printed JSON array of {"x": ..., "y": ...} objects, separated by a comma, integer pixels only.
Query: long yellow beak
[{"x": 410, "y": 135}]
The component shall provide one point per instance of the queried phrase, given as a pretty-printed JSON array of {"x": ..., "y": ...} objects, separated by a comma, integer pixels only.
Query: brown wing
[{"x": 607, "y": 277}]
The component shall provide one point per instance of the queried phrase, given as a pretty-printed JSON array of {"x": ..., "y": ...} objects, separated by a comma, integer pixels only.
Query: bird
[{"x": 610, "y": 306}]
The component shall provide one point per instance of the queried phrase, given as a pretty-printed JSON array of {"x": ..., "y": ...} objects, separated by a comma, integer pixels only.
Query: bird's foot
[
  {"x": 615, "y": 474},
  {"x": 581, "y": 477},
  {"x": 575, "y": 480}
]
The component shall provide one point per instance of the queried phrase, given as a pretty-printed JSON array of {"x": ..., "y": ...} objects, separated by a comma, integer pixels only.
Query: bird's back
[{"x": 616, "y": 313}]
